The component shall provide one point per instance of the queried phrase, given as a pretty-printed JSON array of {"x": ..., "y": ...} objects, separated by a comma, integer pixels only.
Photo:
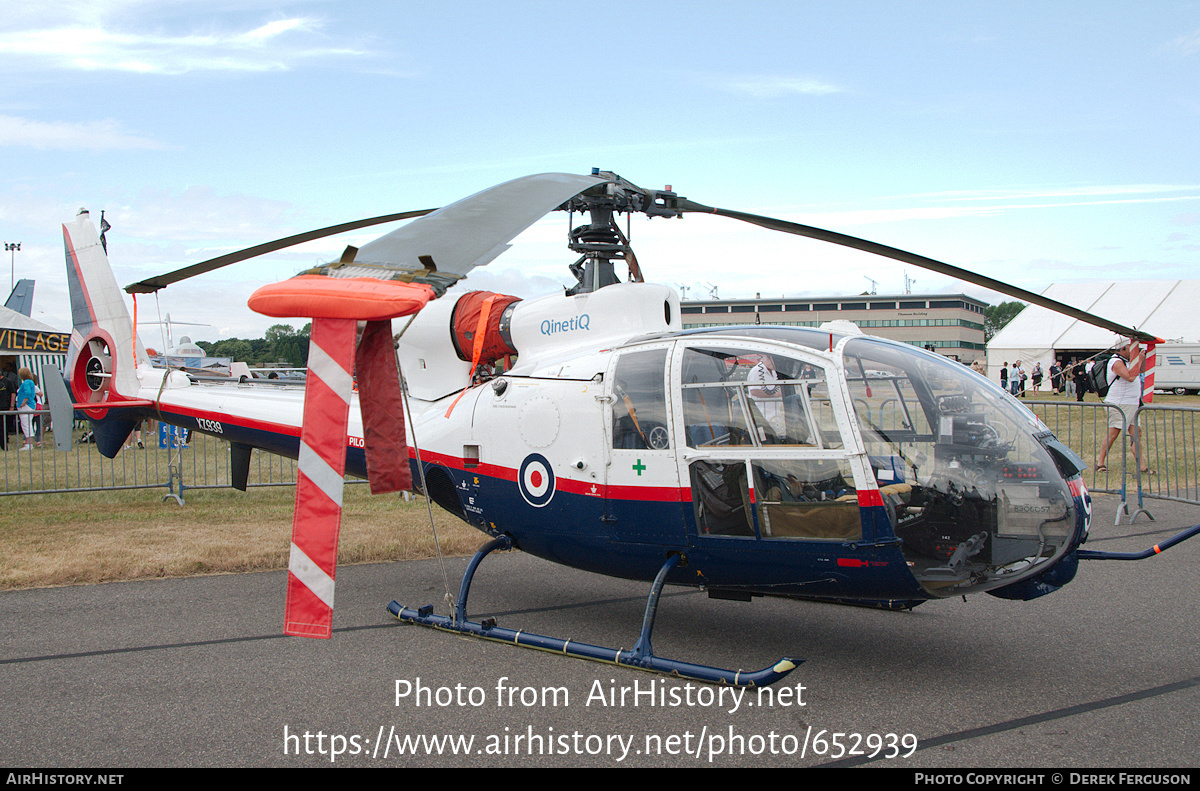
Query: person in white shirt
[
  {"x": 1017, "y": 379},
  {"x": 766, "y": 392},
  {"x": 1124, "y": 391}
]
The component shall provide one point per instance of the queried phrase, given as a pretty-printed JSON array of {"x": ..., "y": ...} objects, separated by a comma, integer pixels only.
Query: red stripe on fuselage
[
  {"x": 869, "y": 497},
  {"x": 670, "y": 494},
  {"x": 654, "y": 494},
  {"x": 241, "y": 421}
]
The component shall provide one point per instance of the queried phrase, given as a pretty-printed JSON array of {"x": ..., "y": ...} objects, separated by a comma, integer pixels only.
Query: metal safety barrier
[
  {"x": 169, "y": 458},
  {"x": 1083, "y": 427},
  {"x": 172, "y": 460},
  {"x": 1167, "y": 447}
]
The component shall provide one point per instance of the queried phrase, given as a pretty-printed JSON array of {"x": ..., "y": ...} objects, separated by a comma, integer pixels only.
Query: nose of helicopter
[
  {"x": 992, "y": 499},
  {"x": 1019, "y": 539},
  {"x": 1013, "y": 536}
]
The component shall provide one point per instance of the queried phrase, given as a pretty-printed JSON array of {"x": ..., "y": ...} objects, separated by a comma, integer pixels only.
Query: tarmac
[{"x": 195, "y": 673}]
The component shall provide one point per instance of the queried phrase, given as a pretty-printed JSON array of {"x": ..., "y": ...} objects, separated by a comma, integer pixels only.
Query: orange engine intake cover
[{"x": 465, "y": 322}]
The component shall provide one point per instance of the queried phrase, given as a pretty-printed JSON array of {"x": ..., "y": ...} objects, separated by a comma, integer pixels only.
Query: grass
[
  {"x": 78, "y": 538},
  {"x": 126, "y": 531},
  {"x": 1169, "y": 441}
]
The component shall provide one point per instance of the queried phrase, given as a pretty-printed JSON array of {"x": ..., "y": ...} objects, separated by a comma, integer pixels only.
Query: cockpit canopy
[
  {"x": 976, "y": 497},
  {"x": 783, "y": 429}
]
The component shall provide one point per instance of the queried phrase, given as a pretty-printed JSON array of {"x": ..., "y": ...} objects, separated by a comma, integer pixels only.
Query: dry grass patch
[{"x": 66, "y": 539}]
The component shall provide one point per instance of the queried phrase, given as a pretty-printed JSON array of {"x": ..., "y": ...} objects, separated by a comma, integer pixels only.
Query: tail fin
[
  {"x": 21, "y": 298},
  {"x": 104, "y": 353},
  {"x": 100, "y": 317}
]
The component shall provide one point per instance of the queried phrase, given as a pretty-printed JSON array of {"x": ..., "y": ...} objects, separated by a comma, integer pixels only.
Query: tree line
[
  {"x": 283, "y": 343},
  {"x": 997, "y": 316}
]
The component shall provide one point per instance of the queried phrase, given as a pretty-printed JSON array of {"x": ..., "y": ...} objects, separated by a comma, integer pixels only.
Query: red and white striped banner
[
  {"x": 1148, "y": 370},
  {"x": 312, "y": 566}
]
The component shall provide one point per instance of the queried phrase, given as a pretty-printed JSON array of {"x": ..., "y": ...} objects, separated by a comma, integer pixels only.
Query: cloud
[
  {"x": 1089, "y": 190},
  {"x": 275, "y": 46},
  {"x": 61, "y": 135},
  {"x": 1188, "y": 44},
  {"x": 947, "y": 205},
  {"x": 201, "y": 216},
  {"x": 776, "y": 87}
]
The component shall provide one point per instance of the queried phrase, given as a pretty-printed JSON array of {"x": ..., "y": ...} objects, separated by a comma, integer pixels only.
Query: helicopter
[{"x": 588, "y": 428}]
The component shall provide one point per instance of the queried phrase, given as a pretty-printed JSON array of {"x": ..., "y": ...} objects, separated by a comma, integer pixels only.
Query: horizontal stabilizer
[{"x": 59, "y": 401}]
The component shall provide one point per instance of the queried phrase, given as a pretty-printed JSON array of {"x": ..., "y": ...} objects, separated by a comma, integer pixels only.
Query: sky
[{"x": 1033, "y": 142}]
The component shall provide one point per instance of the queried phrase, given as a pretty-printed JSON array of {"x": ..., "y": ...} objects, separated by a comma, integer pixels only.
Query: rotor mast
[{"x": 600, "y": 242}]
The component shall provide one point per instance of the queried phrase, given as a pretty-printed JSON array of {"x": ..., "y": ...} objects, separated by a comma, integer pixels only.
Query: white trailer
[{"x": 1177, "y": 368}]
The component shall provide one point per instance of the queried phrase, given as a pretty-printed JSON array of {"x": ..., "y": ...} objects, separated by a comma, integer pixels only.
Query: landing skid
[{"x": 641, "y": 657}]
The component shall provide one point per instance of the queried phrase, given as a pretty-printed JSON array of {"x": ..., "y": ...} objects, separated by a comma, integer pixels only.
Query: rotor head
[{"x": 600, "y": 241}]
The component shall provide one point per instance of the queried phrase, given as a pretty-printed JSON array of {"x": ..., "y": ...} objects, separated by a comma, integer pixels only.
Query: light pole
[{"x": 12, "y": 248}]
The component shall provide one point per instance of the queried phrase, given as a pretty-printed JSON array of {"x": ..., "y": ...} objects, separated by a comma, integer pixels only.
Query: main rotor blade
[
  {"x": 153, "y": 284},
  {"x": 1001, "y": 287},
  {"x": 467, "y": 233}
]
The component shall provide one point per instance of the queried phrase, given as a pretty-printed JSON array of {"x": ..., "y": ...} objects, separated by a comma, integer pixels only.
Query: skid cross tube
[
  {"x": 641, "y": 657},
  {"x": 1088, "y": 554}
]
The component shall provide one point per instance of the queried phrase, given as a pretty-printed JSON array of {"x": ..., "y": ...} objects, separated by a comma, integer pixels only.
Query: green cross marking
[{"x": 639, "y": 467}]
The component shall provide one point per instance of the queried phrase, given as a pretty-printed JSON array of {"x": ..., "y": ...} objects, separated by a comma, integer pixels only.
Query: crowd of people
[
  {"x": 1069, "y": 378},
  {"x": 21, "y": 392}
]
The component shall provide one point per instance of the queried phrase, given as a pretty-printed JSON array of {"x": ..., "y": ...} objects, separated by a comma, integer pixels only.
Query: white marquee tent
[
  {"x": 1169, "y": 309},
  {"x": 28, "y": 343}
]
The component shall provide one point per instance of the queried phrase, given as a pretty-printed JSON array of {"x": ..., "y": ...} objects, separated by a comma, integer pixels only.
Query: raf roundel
[{"x": 536, "y": 480}]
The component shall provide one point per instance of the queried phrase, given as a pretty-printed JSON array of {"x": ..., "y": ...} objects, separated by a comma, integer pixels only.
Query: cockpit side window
[
  {"x": 640, "y": 409},
  {"x": 751, "y": 398},
  {"x": 808, "y": 499},
  {"x": 721, "y": 498}
]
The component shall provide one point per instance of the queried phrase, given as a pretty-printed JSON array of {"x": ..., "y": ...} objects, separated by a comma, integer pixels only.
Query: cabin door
[{"x": 643, "y": 503}]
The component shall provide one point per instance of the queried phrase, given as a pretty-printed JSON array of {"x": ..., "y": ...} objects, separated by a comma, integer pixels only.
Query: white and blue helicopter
[{"x": 747, "y": 461}]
